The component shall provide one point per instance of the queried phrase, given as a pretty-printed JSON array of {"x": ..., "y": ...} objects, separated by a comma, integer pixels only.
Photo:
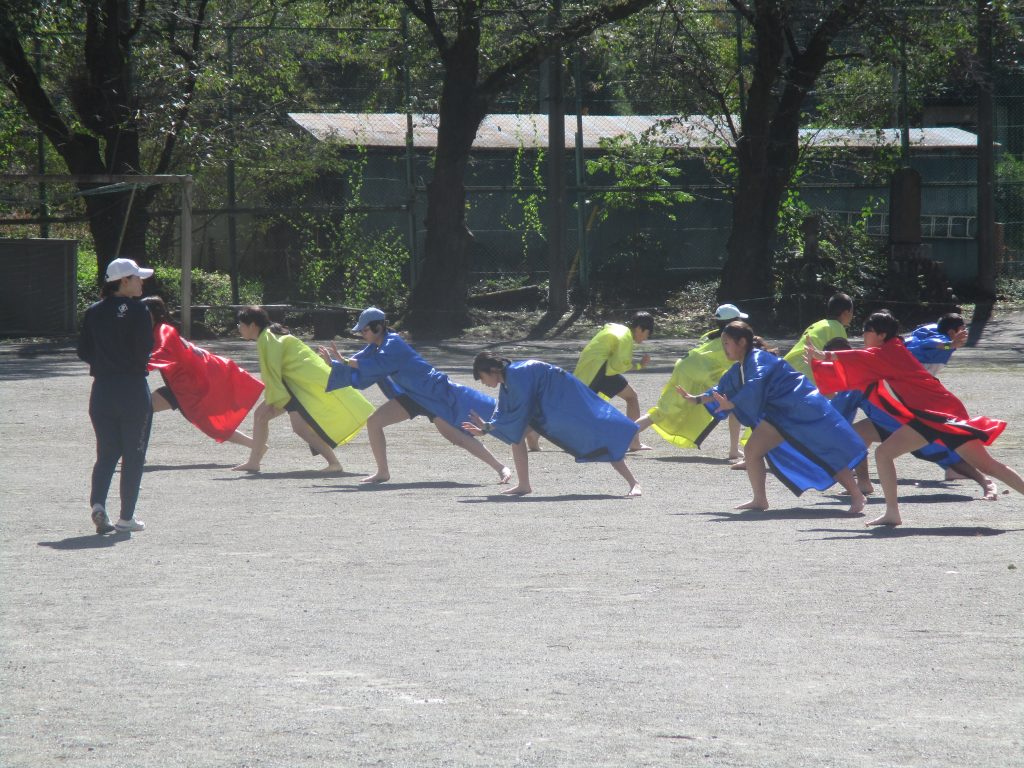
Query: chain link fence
[{"x": 322, "y": 223}]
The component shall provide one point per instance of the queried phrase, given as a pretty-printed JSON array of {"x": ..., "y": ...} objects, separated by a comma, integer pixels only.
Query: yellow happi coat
[
  {"x": 611, "y": 347},
  {"x": 682, "y": 423},
  {"x": 821, "y": 333},
  {"x": 289, "y": 368}
]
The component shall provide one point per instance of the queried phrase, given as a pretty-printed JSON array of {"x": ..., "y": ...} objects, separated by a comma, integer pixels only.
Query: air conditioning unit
[{"x": 39, "y": 288}]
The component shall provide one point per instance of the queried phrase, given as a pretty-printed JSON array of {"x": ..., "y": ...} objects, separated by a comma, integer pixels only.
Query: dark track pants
[{"x": 122, "y": 413}]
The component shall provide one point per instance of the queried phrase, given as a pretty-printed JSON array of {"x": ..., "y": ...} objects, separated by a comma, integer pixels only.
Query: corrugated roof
[{"x": 531, "y": 131}]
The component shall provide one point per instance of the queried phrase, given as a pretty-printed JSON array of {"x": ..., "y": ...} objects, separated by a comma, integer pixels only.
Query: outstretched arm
[
  {"x": 696, "y": 399},
  {"x": 812, "y": 353},
  {"x": 476, "y": 425},
  {"x": 724, "y": 403},
  {"x": 330, "y": 355}
]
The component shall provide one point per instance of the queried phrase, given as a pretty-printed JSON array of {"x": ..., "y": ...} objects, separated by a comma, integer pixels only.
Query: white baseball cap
[
  {"x": 366, "y": 317},
  {"x": 730, "y": 312},
  {"x": 119, "y": 268}
]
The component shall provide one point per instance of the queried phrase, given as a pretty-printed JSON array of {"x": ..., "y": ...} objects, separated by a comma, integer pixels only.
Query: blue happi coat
[
  {"x": 398, "y": 369},
  {"x": 799, "y": 476},
  {"x": 819, "y": 441},
  {"x": 930, "y": 347},
  {"x": 561, "y": 408}
]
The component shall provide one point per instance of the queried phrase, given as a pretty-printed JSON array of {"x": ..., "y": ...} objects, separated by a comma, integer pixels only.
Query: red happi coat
[
  {"x": 897, "y": 383},
  {"x": 212, "y": 392}
]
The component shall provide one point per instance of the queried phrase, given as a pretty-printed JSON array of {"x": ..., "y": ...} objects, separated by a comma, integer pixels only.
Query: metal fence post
[{"x": 186, "y": 255}]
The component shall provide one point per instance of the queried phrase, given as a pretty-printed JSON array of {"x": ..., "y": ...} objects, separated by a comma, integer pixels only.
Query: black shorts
[
  {"x": 932, "y": 435},
  {"x": 166, "y": 394},
  {"x": 609, "y": 386},
  {"x": 294, "y": 406},
  {"x": 413, "y": 408}
]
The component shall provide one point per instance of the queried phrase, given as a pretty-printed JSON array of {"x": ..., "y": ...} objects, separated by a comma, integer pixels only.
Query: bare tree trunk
[
  {"x": 768, "y": 150},
  {"x": 438, "y": 301},
  {"x": 747, "y": 275},
  {"x": 103, "y": 95}
]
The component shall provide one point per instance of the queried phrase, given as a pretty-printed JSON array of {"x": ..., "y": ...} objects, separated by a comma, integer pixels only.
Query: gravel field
[{"x": 294, "y": 619}]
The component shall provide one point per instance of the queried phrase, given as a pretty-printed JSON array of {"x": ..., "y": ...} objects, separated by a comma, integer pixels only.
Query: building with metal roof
[
  {"x": 530, "y": 131},
  {"x": 503, "y": 179}
]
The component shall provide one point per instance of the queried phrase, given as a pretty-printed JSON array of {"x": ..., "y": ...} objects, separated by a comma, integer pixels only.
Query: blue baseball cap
[{"x": 367, "y": 316}]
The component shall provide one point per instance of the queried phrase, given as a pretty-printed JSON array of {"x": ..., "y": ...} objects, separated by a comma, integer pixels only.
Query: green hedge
[{"x": 211, "y": 288}]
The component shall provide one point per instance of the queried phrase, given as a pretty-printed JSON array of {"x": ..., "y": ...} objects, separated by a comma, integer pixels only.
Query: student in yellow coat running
[{"x": 610, "y": 354}]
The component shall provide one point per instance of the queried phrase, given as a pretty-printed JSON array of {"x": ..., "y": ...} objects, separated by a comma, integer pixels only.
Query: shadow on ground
[
  {"x": 903, "y": 531},
  {"x": 534, "y": 498},
  {"x": 93, "y": 541}
]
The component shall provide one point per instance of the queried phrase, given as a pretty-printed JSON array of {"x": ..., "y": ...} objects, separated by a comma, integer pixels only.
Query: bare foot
[
  {"x": 634, "y": 491},
  {"x": 756, "y": 504},
  {"x": 505, "y": 475},
  {"x": 866, "y": 488},
  {"x": 952, "y": 474},
  {"x": 741, "y": 464},
  {"x": 377, "y": 477},
  {"x": 889, "y": 518},
  {"x": 533, "y": 448},
  {"x": 735, "y": 457},
  {"x": 332, "y": 469},
  {"x": 519, "y": 490},
  {"x": 991, "y": 491},
  {"x": 857, "y": 504},
  {"x": 253, "y": 464},
  {"x": 639, "y": 447}
]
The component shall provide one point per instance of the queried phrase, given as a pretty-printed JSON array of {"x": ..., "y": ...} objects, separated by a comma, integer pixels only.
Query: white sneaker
[
  {"x": 100, "y": 519},
  {"x": 130, "y": 525}
]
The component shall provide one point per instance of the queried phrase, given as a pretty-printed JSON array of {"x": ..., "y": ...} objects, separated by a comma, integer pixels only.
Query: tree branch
[
  {"x": 140, "y": 15},
  {"x": 807, "y": 65},
  {"x": 791, "y": 43},
  {"x": 23, "y": 82},
  {"x": 549, "y": 42},
  {"x": 743, "y": 10},
  {"x": 182, "y": 112},
  {"x": 425, "y": 14}
]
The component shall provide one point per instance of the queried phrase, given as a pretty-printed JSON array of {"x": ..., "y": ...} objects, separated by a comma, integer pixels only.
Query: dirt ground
[{"x": 293, "y": 619}]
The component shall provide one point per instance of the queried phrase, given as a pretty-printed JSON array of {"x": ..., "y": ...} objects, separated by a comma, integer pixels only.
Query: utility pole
[
  {"x": 986, "y": 155},
  {"x": 558, "y": 289},
  {"x": 231, "y": 184}
]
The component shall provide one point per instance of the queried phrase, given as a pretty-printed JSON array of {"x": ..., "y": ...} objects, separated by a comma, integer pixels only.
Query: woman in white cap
[
  {"x": 295, "y": 381},
  {"x": 413, "y": 388},
  {"x": 116, "y": 339},
  {"x": 682, "y": 423}
]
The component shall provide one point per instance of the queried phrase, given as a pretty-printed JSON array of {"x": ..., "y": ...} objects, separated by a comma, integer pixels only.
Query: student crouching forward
[
  {"x": 558, "y": 406},
  {"x": 296, "y": 379},
  {"x": 782, "y": 406},
  {"x": 413, "y": 388}
]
